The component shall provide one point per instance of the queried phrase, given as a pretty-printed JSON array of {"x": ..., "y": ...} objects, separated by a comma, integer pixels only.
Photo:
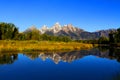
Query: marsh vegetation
[{"x": 41, "y": 46}]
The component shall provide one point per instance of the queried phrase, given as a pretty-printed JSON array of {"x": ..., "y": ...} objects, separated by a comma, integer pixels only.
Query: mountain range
[{"x": 72, "y": 32}]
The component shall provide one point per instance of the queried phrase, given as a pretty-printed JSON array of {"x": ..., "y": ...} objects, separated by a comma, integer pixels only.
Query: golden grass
[{"x": 41, "y": 46}]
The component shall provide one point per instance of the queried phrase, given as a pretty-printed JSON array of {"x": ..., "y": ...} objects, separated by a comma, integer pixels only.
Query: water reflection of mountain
[
  {"x": 8, "y": 58},
  {"x": 111, "y": 53},
  {"x": 74, "y": 55}
]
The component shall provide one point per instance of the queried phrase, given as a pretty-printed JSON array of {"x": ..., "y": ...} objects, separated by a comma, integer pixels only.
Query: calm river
[{"x": 91, "y": 64}]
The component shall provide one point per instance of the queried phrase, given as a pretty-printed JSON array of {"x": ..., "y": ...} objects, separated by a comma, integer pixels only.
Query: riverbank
[
  {"x": 113, "y": 45},
  {"x": 8, "y": 45}
]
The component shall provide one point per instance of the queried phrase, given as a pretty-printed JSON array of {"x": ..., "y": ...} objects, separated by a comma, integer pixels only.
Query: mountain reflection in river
[
  {"x": 94, "y": 64},
  {"x": 9, "y": 58}
]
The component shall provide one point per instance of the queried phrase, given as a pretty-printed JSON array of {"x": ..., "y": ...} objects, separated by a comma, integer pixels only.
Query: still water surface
[{"x": 75, "y": 65}]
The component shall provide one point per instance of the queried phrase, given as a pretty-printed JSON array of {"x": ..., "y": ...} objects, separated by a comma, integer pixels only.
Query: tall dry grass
[{"x": 41, "y": 46}]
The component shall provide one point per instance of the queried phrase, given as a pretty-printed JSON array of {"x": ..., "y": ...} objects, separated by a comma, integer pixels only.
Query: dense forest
[{"x": 8, "y": 31}]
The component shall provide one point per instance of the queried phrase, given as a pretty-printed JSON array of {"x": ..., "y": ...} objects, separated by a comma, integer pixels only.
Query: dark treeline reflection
[
  {"x": 113, "y": 52},
  {"x": 110, "y": 53},
  {"x": 8, "y": 58}
]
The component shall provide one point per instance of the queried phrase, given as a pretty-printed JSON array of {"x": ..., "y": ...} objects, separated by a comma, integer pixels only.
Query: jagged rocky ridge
[{"x": 72, "y": 32}]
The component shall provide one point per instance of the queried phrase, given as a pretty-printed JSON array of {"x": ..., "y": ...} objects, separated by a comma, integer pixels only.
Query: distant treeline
[
  {"x": 114, "y": 38},
  {"x": 8, "y": 31}
]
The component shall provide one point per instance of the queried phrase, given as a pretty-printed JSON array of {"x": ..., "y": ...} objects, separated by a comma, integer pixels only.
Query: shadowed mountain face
[{"x": 74, "y": 32}]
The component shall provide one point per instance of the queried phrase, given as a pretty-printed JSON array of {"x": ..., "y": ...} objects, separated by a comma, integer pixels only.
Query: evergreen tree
[
  {"x": 111, "y": 38},
  {"x": 117, "y": 35},
  {"x": 7, "y": 31}
]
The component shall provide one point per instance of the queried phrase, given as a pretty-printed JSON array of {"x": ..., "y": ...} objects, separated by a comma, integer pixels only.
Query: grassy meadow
[{"x": 11, "y": 45}]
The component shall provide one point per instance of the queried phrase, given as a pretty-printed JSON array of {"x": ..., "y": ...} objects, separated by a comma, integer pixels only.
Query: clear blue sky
[{"x": 90, "y": 15}]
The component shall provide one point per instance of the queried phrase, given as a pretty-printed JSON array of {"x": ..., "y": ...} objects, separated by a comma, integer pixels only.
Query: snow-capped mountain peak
[
  {"x": 56, "y": 28},
  {"x": 44, "y": 29}
]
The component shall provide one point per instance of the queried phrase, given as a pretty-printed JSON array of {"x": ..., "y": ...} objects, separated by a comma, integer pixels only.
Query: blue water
[{"x": 61, "y": 67}]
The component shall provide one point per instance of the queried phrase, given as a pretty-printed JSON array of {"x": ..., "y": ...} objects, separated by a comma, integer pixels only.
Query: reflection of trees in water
[
  {"x": 114, "y": 53},
  {"x": 8, "y": 58},
  {"x": 74, "y": 55},
  {"x": 111, "y": 53}
]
